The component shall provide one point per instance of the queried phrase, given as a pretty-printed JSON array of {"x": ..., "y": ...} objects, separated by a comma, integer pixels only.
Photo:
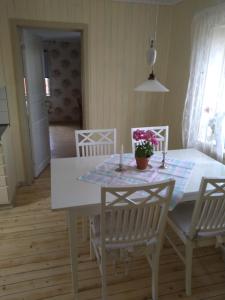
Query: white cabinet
[
  {"x": 4, "y": 116},
  {"x": 5, "y": 192},
  {"x": 4, "y": 199},
  {"x": 3, "y": 181}
]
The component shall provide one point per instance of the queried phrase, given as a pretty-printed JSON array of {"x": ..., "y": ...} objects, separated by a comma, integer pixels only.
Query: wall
[
  {"x": 117, "y": 41},
  {"x": 64, "y": 60},
  {"x": 178, "y": 67},
  {"x": 2, "y": 77}
]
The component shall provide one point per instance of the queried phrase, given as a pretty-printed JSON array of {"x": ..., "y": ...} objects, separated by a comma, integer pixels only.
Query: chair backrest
[
  {"x": 95, "y": 142},
  {"x": 161, "y": 133},
  {"x": 135, "y": 213},
  {"x": 209, "y": 211}
]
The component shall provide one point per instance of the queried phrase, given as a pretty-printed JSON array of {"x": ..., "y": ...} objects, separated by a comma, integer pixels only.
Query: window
[
  {"x": 213, "y": 108},
  {"x": 45, "y": 61},
  {"x": 47, "y": 87},
  {"x": 204, "y": 111},
  {"x": 46, "y": 72}
]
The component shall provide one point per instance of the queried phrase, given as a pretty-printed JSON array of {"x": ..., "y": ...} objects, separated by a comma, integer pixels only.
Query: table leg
[{"x": 73, "y": 238}]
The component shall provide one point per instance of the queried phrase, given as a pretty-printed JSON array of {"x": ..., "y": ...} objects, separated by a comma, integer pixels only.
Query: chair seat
[
  {"x": 181, "y": 216},
  {"x": 95, "y": 227},
  {"x": 199, "y": 223}
]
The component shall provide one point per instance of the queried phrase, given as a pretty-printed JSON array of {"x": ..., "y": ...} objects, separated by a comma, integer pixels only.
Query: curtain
[{"x": 203, "y": 124}]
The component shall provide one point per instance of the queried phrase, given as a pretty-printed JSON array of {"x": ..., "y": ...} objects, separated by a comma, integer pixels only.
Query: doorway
[
  {"x": 53, "y": 85},
  {"x": 62, "y": 75},
  {"x": 64, "y": 117}
]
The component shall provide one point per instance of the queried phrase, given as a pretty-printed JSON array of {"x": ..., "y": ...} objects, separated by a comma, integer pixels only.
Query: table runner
[{"x": 105, "y": 174}]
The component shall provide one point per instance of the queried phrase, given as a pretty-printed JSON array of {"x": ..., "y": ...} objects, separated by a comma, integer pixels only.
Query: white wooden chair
[
  {"x": 161, "y": 133},
  {"x": 94, "y": 142},
  {"x": 131, "y": 217},
  {"x": 199, "y": 223}
]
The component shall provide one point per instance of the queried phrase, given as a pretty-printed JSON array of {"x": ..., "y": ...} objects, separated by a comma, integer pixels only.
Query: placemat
[{"x": 105, "y": 174}]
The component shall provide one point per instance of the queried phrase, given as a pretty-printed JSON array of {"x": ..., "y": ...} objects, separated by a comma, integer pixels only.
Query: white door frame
[{"x": 23, "y": 117}]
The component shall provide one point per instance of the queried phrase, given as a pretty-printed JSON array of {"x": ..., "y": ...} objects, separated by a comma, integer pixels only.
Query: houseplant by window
[{"x": 144, "y": 146}]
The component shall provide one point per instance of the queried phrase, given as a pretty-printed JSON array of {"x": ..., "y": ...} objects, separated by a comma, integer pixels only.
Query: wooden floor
[
  {"x": 35, "y": 264},
  {"x": 62, "y": 140}
]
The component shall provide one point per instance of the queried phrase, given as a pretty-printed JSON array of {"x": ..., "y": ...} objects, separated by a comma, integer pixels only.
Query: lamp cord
[
  {"x": 153, "y": 39},
  {"x": 156, "y": 22}
]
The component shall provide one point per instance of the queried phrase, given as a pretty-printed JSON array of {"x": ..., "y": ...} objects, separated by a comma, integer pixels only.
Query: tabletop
[{"x": 69, "y": 192}]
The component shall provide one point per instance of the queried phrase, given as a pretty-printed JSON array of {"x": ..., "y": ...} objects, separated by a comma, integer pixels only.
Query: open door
[{"x": 36, "y": 100}]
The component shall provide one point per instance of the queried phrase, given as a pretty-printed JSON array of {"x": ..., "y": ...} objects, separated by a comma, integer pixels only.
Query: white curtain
[{"x": 204, "y": 111}]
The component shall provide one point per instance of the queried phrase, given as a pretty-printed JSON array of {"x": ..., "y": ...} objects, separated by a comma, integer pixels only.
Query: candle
[
  {"x": 165, "y": 145},
  {"x": 122, "y": 149},
  {"x": 121, "y": 156}
]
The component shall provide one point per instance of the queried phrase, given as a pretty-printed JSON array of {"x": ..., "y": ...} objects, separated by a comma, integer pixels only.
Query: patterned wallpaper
[{"x": 64, "y": 68}]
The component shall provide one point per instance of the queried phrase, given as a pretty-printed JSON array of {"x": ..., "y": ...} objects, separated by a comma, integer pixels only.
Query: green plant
[
  {"x": 145, "y": 141},
  {"x": 143, "y": 149}
]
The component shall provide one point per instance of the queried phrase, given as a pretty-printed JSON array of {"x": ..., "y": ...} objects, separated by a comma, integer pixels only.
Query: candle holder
[
  {"x": 120, "y": 167},
  {"x": 163, "y": 165}
]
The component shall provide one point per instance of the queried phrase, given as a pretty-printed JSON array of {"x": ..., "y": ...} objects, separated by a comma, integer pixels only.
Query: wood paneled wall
[
  {"x": 2, "y": 76},
  {"x": 118, "y": 35}
]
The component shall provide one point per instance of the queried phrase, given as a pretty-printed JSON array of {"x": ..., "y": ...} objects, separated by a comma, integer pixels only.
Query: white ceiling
[{"x": 160, "y": 2}]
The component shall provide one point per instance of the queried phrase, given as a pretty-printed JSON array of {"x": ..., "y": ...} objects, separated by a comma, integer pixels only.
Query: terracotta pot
[{"x": 142, "y": 162}]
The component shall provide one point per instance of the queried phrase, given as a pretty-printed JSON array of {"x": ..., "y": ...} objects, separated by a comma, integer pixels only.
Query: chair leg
[
  {"x": 104, "y": 279},
  {"x": 85, "y": 221},
  {"x": 92, "y": 251},
  {"x": 188, "y": 267},
  {"x": 155, "y": 276}
]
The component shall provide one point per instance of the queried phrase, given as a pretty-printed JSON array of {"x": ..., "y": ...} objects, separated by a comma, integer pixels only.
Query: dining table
[{"x": 83, "y": 198}]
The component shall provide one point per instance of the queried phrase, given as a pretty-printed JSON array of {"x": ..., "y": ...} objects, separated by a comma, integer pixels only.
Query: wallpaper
[{"x": 64, "y": 71}]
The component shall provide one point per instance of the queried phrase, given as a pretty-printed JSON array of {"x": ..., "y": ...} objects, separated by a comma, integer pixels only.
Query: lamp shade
[{"x": 151, "y": 85}]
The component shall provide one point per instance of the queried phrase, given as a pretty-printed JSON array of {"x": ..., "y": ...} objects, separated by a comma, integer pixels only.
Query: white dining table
[{"x": 82, "y": 198}]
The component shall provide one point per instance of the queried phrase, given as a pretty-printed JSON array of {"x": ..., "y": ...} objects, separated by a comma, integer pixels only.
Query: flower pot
[{"x": 142, "y": 162}]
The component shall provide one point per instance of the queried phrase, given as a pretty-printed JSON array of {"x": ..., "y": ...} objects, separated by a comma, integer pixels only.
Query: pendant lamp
[{"x": 152, "y": 84}]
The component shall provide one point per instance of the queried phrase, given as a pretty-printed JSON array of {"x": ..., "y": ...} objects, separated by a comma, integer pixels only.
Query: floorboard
[{"x": 35, "y": 262}]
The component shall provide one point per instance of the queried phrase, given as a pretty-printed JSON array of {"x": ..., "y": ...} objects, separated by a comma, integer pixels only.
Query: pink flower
[
  {"x": 154, "y": 141},
  {"x": 207, "y": 109},
  {"x": 145, "y": 135},
  {"x": 138, "y": 135},
  {"x": 148, "y": 135}
]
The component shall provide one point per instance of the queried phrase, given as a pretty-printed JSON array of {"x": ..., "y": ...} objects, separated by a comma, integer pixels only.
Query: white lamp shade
[{"x": 151, "y": 85}]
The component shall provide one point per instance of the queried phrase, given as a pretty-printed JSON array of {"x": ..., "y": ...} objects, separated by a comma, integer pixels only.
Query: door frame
[{"x": 16, "y": 25}]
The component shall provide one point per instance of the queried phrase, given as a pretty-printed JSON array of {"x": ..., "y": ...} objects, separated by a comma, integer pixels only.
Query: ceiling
[{"x": 160, "y": 2}]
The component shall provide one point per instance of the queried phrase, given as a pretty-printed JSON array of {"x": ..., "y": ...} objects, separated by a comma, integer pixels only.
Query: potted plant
[{"x": 145, "y": 140}]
